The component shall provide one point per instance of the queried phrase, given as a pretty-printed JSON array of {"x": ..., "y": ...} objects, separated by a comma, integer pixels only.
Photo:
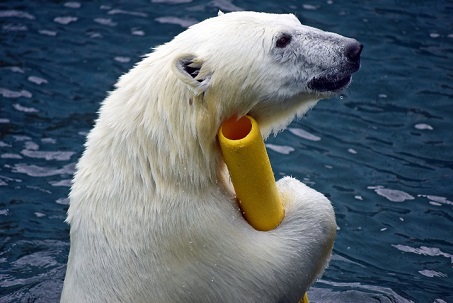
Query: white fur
[{"x": 153, "y": 216}]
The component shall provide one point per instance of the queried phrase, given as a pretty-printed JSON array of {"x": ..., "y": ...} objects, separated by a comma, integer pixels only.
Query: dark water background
[{"x": 382, "y": 153}]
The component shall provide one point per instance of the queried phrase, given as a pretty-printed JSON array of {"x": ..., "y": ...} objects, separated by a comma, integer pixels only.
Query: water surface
[{"x": 382, "y": 152}]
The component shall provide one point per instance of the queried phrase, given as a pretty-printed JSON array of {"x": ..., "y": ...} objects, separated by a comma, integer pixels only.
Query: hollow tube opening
[{"x": 236, "y": 129}]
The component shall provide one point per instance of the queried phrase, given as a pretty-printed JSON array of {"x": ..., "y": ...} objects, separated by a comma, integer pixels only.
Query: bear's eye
[{"x": 283, "y": 41}]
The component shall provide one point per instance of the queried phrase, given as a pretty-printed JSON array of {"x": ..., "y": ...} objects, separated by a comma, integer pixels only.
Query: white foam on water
[
  {"x": 24, "y": 109},
  {"x": 282, "y": 149},
  {"x": 48, "y": 155},
  {"x": 423, "y": 126},
  {"x": 432, "y": 273},
  {"x": 437, "y": 200},
  {"x": 21, "y": 138},
  {"x": 185, "y": 23},
  {"x": 122, "y": 59},
  {"x": 65, "y": 19},
  {"x": 10, "y": 156},
  {"x": 63, "y": 201},
  {"x": 73, "y": 4},
  {"x": 37, "y": 80},
  {"x": 40, "y": 171},
  {"x": 49, "y": 140},
  {"x": 171, "y": 1},
  {"x": 66, "y": 182},
  {"x": 424, "y": 250},
  {"x": 393, "y": 195},
  {"x": 48, "y": 32},
  {"x": 356, "y": 293},
  {"x": 7, "y": 93},
  {"x": 16, "y": 14},
  {"x": 303, "y": 134},
  {"x": 137, "y": 32},
  {"x": 105, "y": 21},
  {"x": 31, "y": 150},
  {"x": 125, "y": 12},
  {"x": 14, "y": 28},
  {"x": 310, "y": 7}
]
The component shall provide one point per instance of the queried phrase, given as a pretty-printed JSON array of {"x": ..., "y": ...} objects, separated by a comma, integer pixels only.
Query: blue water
[{"x": 382, "y": 152}]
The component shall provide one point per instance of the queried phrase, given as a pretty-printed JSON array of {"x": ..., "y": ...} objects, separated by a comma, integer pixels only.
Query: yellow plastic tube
[{"x": 251, "y": 173}]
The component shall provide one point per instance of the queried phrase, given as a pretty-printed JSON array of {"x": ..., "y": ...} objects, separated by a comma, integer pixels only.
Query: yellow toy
[{"x": 251, "y": 173}]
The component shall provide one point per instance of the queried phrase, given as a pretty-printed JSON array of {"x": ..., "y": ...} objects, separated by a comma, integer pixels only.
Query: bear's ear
[
  {"x": 220, "y": 13},
  {"x": 191, "y": 70}
]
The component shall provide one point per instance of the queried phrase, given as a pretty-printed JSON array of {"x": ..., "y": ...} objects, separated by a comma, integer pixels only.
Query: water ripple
[
  {"x": 125, "y": 12},
  {"x": 282, "y": 149},
  {"x": 393, "y": 195},
  {"x": 303, "y": 134},
  {"x": 65, "y": 19},
  {"x": 183, "y": 22},
  {"x": 73, "y": 4},
  {"x": 16, "y": 14},
  {"x": 43, "y": 171},
  {"x": 7, "y": 93},
  {"x": 381, "y": 152}
]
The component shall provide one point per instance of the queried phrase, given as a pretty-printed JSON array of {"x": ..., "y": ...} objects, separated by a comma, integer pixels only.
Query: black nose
[{"x": 353, "y": 51}]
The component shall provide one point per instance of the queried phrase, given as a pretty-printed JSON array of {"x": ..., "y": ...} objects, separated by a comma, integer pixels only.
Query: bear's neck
[{"x": 167, "y": 137}]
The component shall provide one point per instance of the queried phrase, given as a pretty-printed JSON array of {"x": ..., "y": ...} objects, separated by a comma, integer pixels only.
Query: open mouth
[
  {"x": 329, "y": 83},
  {"x": 334, "y": 79}
]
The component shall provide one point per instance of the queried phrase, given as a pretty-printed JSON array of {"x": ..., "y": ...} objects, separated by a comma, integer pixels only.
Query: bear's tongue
[{"x": 324, "y": 84}]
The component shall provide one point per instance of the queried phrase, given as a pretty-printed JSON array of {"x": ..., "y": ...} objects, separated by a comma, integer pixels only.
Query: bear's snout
[
  {"x": 337, "y": 77},
  {"x": 353, "y": 51}
]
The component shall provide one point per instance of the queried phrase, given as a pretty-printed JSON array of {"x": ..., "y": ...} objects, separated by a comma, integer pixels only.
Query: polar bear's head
[{"x": 267, "y": 65}]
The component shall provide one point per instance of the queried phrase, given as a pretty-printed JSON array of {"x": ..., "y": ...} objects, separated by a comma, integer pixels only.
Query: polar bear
[{"x": 152, "y": 212}]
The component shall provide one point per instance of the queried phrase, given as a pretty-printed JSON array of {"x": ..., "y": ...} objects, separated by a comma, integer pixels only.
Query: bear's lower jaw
[{"x": 324, "y": 84}]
